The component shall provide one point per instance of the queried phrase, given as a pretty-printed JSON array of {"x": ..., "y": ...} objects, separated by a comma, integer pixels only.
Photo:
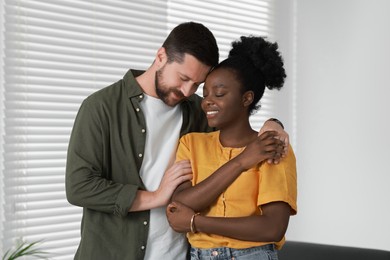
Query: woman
[{"x": 236, "y": 207}]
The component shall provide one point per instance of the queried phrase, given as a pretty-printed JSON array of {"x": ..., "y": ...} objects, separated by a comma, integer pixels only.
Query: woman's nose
[{"x": 207, "y": 101}]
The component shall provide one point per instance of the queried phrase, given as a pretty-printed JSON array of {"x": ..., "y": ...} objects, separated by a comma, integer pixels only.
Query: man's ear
[
  {"x": 161, "y": 57},
  {"x": 247, "y": 98}
]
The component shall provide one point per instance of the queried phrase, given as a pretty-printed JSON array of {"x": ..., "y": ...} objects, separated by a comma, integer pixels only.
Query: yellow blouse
[{"x": 260, "y": 185}]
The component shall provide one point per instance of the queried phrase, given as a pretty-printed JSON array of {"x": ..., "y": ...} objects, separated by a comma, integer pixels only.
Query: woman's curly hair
[{"x": 257, "y": 64}]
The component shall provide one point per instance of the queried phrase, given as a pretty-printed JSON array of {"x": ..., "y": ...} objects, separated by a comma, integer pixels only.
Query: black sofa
[{"x": 293, "y": 250}]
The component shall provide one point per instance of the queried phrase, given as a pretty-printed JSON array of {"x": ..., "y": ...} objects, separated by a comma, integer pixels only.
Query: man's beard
[{"x": 163, "y": 94}]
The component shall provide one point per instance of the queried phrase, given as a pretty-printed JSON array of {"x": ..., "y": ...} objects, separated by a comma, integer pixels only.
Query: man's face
[{"x": 177, "y": 81}]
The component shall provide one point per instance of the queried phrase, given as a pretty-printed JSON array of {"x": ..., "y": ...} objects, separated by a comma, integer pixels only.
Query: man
[{"x": 121, "y": 145}]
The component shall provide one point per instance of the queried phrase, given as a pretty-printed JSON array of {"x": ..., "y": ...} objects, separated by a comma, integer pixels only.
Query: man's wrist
[{"x": 277, "y": 121}]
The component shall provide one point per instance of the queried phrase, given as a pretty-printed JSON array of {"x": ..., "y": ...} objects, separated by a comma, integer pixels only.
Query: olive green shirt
[{"x": 102, "y": 173}]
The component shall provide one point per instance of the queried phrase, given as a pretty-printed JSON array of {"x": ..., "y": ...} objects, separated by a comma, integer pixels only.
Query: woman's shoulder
[{"x": 200, "y": 136}]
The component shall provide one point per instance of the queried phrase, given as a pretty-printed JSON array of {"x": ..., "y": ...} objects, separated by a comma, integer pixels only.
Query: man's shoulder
[
  {"x": 120, "y": 90},
  {"x": 108, "y": 94}
]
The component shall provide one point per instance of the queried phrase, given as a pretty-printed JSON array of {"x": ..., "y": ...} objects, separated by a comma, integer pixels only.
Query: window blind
[{"x": 55, "y": 54}]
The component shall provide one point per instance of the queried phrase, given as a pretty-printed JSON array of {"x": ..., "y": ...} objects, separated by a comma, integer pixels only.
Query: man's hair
[{"x": 194, "y": 39}]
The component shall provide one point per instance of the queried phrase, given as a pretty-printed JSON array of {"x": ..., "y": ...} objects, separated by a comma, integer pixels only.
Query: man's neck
[{"x": 147, "y": 82}]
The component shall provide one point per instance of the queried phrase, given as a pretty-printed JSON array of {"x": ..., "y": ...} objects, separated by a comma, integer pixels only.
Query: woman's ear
[{"x": 247, "y": 98}]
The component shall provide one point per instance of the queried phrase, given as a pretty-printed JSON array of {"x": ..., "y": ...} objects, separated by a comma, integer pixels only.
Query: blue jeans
[{"x": 266, "y": 252}]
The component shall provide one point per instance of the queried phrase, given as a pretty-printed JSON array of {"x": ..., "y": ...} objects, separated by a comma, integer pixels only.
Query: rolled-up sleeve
[{"x": 279, "y": 182}]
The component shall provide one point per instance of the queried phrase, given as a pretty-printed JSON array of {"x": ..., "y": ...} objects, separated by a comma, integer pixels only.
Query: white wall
[{"x": 338, "y": 59}]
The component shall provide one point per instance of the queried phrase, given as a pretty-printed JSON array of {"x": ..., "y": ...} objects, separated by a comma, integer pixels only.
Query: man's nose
[{"x": 188, "y": 89}]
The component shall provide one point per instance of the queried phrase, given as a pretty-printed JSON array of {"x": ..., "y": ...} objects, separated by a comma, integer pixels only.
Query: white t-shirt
[{"x": 162, "y": 134}]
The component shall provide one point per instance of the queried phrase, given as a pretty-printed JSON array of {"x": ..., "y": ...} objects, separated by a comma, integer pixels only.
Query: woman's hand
[
  {"x": 282, "y": 135},
  {"x": 179, "y": 217},
  {"x": 267, "y": 146}
]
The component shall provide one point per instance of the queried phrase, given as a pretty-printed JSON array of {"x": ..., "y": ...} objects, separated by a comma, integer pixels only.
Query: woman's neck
[{"x": 237, "y": 136}]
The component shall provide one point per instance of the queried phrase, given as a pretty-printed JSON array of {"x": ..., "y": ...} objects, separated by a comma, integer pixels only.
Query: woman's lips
[{"x": 211, "y": 114}]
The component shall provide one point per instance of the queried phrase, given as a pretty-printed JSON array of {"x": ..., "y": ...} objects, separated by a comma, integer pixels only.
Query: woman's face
[{"x": 223, "y": 100}]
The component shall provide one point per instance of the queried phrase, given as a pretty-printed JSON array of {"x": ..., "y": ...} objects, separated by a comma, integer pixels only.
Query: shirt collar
[{"x": 132, "y": 86}]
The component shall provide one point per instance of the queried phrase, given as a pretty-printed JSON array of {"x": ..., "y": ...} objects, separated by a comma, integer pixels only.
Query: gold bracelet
[{"x": 192, "y": 224}]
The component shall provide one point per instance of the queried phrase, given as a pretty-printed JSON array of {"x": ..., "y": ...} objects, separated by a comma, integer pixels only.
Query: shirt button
[
  {"x": 140, "y": 155},
  {"x": 143, "y": 130},
  {"x": 137, "y": 109},
  {"x": 141, "y": 96},
  {"x": 142, "y": 247},
  {"x": 145, "y": 223}
]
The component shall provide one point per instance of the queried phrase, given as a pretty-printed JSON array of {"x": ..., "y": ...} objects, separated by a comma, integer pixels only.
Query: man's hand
[
  {"x": 178, "y": 173},
  {"x": 282, "y": 135},
  {"x": 173, "y": 177}
]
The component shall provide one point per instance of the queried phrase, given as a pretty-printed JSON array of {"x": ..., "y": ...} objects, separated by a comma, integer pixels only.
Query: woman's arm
[
  {"x": 268, "y": 227},
  {"x": 201, "y": 195}
]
